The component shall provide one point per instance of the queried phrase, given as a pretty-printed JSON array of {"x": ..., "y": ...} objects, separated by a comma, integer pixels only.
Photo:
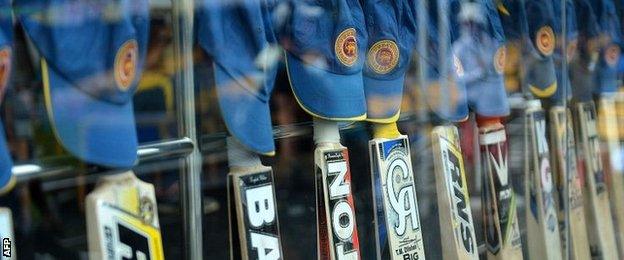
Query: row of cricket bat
[
  {"x": 570, "y": 207},
  {"x": 569, "y": 214}
]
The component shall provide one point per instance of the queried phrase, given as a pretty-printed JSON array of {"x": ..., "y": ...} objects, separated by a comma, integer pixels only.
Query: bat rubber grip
[
  {"x": 388, "y": 131},
  {"x": 326, "y": 131},
  {"x": 239, "y": 156}
]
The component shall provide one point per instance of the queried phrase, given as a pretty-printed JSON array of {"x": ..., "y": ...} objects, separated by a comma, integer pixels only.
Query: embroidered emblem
[
  {"x": 545, "y": 40},
  {"x": 346, "y": 47},
  {"x": 126, "y": 64},
  {"x": 383, "y": 56},
  {"x": 499, "y": 59}
]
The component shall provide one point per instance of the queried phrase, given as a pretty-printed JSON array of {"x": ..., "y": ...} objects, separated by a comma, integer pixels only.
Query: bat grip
[
  {"x": 325, "y": 131},
  {"x": 239, "y": 156}
]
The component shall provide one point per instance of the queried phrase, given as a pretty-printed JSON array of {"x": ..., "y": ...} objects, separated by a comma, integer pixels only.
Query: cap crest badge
[
  {"x": 499, "y": 59},
  {"x": 545, "y": 40},
  {"x": 346, "y": 47},
  {"x": 383, "y": 56},
  {"x": 126, "y": 64},
  {"x": 612, "y": 55}
]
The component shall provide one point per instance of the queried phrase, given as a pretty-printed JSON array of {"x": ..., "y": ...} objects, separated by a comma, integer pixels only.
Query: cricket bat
[
  {"x": 500, "y": 217},
  {"x": 122, "y": 219},
  {"x": 541, "y": 216},
  {"x": 252, "y": 208},
  {"x": 597, "y": 212},
  {"x": 453, "y": 199},
  {"x": 397, "y": 223},
  {"x": 609, "y": 133},
  {"x": 574, "y": 240},
  {"x": 337, "y": 236},
  {"x": 6, "y": 235}
]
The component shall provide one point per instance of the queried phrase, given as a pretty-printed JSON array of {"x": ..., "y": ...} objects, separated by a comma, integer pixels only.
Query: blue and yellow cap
[
  {"x": 239, "y": 36},
  {"x": 482, "y": 53},
  {"x": 541, "y": 77},
  {"x": 6, "y": 52},
  {"x": 391, "y": 27},
  {"x": 325, "y": 43},
  {"x": 610, "y": 40},
  {"x": 92, "y": 56}
]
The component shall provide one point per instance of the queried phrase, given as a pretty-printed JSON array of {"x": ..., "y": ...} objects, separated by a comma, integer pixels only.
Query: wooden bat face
[
  {"x": 453, "y": 200},
  {"x": 255, "y": 223},
  {"x": 398, "y": 231},
  {"x": 122, "y": 220},
  {"x": 337, "y": 227},
  {"x": 499, "y": 202}
]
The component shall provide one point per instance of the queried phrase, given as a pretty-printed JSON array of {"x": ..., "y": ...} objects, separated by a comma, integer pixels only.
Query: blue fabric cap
[
  {"x": 240, "y": 38},
  {"x": 391, "y": 27},
  {"x": 445, "y": 94},
  {"x": 6, "y": 42},
  {"x": 481, "y": 51},
  {"x": 92, "y": 57},
  {"x": 610, "y": 30},
  {"x": 325, "y": 42}
]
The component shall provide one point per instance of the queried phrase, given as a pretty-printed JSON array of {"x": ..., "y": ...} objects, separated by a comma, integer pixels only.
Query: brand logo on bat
[
  {"x": 261, "y": 213},
  {"x": 342, "y": 212},
  {"x": 401, "y": 195},
  {"x": 464, "y": 230}
]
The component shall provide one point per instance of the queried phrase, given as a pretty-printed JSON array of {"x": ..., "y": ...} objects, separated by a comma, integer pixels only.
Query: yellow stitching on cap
[{"x": 542, "y": 93}]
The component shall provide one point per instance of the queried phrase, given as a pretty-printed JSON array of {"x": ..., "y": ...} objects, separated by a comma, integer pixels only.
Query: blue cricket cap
[
  {"x": 239, "y": 37},
  {"x": 391, "y": 27},
  {"x": 541, "y": 76},
  {"x": 324, "y": 43},
  {"x": 609, "y": 23},
  {"x": 445, "y": 94},
  {"x": 92, "y": 55},
  {"x": 6, "y": 42},
  {"x": 482, "y": 53}
]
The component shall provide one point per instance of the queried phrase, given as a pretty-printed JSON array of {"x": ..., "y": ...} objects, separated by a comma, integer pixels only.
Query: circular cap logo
[
  {"x": 612, "y": 55},
  {"x": 5, "y": 69},
  {"x": 126, "y": 64},
  {"x": 346, "y": 47},
  {"x": 499, "y": 59},
  {"x": 383, "y": 56},
  {"x": 545, "y": 40}
]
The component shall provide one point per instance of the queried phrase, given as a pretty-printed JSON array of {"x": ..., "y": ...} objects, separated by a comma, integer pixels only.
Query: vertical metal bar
[{"x": 190, "y": 170}]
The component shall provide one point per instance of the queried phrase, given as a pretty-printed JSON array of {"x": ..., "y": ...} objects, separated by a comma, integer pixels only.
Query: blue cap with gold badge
[
  {"x": 481, "y": 51},
  {"x": 239, "y": 37},
  {"x": 610, "y": 40},
  {"x": 324, "y": 42},
  {"x": 391, "y": 27},
  {"x": 92, "y": 55},
  {"x": 6, "y": 41},
  {"x": 537, "y": 37}
]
